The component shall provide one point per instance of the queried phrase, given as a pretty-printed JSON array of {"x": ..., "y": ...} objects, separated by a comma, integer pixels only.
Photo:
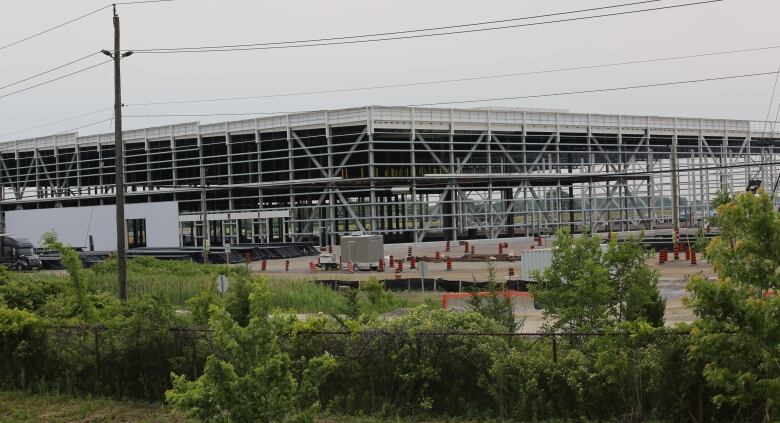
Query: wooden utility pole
[
  {"x": 205, "y": 219},
  {"x": 119, "y": 146}
]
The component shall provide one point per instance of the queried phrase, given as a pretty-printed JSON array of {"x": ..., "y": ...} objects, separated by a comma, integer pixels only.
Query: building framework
[{"x": 412, "y": 174}]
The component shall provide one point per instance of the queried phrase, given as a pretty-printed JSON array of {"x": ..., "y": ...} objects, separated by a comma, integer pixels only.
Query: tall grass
[{"x": 179, "y": 281}]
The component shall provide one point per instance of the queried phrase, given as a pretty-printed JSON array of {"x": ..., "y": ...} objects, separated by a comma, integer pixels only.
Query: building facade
[{"x": 412, "y": 174}]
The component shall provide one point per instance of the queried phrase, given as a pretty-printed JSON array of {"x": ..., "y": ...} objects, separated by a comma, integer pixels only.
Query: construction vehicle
[{"x": 18, "y": 253}]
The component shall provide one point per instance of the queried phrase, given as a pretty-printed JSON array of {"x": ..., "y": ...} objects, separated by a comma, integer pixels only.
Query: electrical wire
[
  {"x": 437, "y": 28},
  {"x": 55, "y": 122},
  {"x": 631, "y": 87},
  {"x": 350, "y": 40},
  {"x": 465, "y": 79},
  {"x": 53, "y": 80},
  {"x": 597, "y": 90},
  {"x": 53, "y": 28},
  {"x": 48, "y": 70},
  {"x": 83, "y": 126}
]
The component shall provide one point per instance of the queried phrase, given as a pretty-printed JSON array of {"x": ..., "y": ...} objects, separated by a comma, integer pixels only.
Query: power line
[
  {"x": 55, "y": 122},
  {"x": 465, "y": 79},
  {"x": 53, "y": 28},
  {"x": 55, "y": 79},
  {"x": 437, "y": 28},
  {"x": 349, "y": 40},
  {"x": 84, "y": 126},
  {"x": 49, "y": 70},
  {"x": 630, "y": 87}
]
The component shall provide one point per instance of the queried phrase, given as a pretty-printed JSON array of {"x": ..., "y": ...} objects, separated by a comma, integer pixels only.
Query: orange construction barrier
[
  {"x": 312, "y": 267},
  {"x": 382, "y": 265},
  {"x": 447, "y": 247},
  {"x": 693, "y": 256},
  {"x": 472, "y": 250},
  {"x": 263, "y": 265},
  {"x": 400, "y": 266},
  {"x": 287, "y": 265},
  {"x": 687, "y": 253},
  {"x": 676, "y": 251},
  {"x": 349, "y": 267},
  {"x": 391, "y": 262},
  {"x": 663, "y": 256},
  {"x": 409, "y": 251},
  {"x": 466, "y": 247},
  {"x": 449, "y": 263},
  {"x": 330, "y": 248}
]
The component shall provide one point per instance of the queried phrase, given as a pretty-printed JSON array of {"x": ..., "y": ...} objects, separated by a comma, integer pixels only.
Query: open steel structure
[{"x": 412, "y": 174}]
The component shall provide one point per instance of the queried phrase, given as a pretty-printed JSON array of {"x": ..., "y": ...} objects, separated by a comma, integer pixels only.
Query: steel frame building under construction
[{"x": 412, "y": 174}]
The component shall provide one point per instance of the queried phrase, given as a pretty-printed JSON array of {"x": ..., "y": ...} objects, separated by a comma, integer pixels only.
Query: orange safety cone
[
  {"x": 693, "y": 257},
  {"x": 287, "y": 265},
  {"x": 449, "y": 263},
  {"x": 500, "y": 248},
  {"x": 400, "y": 266},
  {"x": 413, "y": 263},
  {"x": 447, "y": 247},
  {"x": 263, "y": 265},
  {"x": 472, "y": 250},
  {"x": 382, "y": 265},
  {"x": 330, "y": 248},
  {"x": 409, "y": 251},
  {"x": 466, "y": 247},
  {"x": 349, "y": 267},
  {"x": 687, "y": 254},
  {"x": 677, "y": 251}
]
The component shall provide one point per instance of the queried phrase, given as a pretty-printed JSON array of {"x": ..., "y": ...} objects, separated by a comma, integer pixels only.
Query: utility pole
[
  {"x": 675, "y": 187},
  {"x": 119, "y": 168},
  {"x": 205, "y": 219}
]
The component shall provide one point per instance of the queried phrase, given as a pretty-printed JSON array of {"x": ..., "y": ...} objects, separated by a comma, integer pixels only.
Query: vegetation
[
  {"x": 53, "y": 408},
  {"x": 590, "y": 289},
  {"x": 737, "y": 336},
  {"x": 245, "y": 356}
]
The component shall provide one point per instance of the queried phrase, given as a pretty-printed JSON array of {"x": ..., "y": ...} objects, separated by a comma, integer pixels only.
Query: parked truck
[{"x": 18, "y": 253}]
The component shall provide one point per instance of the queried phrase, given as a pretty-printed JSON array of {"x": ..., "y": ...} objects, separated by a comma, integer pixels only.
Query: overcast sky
[{"x": 727, "y": 25}]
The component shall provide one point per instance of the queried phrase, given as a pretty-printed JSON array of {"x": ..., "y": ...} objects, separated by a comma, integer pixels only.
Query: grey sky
[{"x": 732, "y": 24}]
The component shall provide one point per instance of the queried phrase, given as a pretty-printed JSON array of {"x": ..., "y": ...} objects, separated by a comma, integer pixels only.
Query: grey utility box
[{"x": 363, "y": 251}]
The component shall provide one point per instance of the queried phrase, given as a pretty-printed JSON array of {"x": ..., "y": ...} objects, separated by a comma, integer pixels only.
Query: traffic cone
[
  {"x": 263, "y": 265},
  {"x": 382, "y": 265},
  {"x": 413, "y": 263},
  {"x": 447, "y": 247},
  {"x": 400, "y": 266},
  {"x": 472, "y": 250},
  {"x": 392, "y": 262},
  {"x": 693, "y": 257},
  {"x": 287, "y": 265},
  {"x": 449, "y": 263},
  {"x": 349, "y": 267},
  {"x": 409, "y": 251},
  {"x": 500, "y": 248}
]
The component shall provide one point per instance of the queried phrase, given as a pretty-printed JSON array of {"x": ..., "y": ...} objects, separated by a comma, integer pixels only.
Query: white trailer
[{"x": 531, "y": 260}]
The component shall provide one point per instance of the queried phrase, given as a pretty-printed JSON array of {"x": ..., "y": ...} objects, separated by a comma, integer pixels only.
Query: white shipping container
[{"x": 537, "y": 259}]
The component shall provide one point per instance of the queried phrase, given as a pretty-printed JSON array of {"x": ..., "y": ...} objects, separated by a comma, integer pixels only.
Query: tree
[
  {"x": 587, "y": 288},
  {"x": 495, "y": 306},
  {"x": 251, "y": 379},
  {"x": 737, "y": 336}
]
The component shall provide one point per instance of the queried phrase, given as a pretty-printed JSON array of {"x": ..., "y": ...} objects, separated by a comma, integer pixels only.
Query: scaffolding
[{"x": 412, "y": 174}]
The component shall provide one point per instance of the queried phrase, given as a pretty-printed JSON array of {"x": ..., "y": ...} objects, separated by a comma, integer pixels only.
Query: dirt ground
[{"x": 674, "y": 274}]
